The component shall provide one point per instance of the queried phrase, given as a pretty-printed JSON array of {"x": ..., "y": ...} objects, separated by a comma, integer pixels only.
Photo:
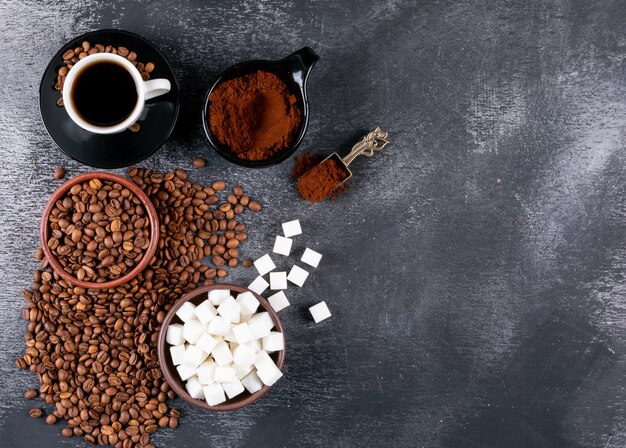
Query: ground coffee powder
[
  {"x": 255, "y": 115},
  {"x": 322, "y": 180}
]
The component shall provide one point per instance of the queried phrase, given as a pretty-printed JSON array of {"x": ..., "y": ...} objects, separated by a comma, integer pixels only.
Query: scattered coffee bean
[
  {"x": 199, "y": 162},
  {"x": 60, "y": 102},
  {"x": 35, "y": 412},
  {"x": 30, "y": 394},
  {"x": 135, "y": 127},
  {"x": 247, "y": 263},
  {"x": 95, "y": 350},
  {"x": 254, "y": 206},
  {"x": 219, "y": 185},
  {"x": 59, "y": 173}
]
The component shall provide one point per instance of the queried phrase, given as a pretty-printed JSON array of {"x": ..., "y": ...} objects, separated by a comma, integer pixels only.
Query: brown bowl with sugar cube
[{"x": 168, "y": 368}]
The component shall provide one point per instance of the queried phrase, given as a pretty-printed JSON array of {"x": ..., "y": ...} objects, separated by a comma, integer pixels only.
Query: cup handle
[{"x": 157, "y": 87}]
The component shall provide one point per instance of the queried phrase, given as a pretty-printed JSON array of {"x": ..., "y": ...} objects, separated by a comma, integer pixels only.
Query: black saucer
[{"x": 117, "y": 150}]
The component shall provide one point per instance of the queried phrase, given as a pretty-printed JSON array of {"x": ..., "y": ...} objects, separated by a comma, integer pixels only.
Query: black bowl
[{"x": 294, "y": 71}]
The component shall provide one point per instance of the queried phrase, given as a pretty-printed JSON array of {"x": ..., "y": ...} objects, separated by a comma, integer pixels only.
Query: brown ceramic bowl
[
  {"x": 44, "y": 229},
  {"x": 196, "y": 297}
]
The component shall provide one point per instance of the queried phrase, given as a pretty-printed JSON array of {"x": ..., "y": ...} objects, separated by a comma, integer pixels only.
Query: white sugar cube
[
  {"x": 230, "y": 337},
  {"x": 319, "y": 312},
  {"x": 266, "y": 369},
  {"x": 224, "y": 374},
  {"x": 186, "y": 371},
  {"x": 229, "y": 309},
  {"x": 278, "y": 280},
  {"x": 297, "y": 275},
  {"x": 218, "y": 326},
  {"x": 282, "y": 245},
  {"x": 278, "y": 301},
  {"x": 233, "y": 388},
  {"x": 248, "y": 302},
  {"x": 311, "y": 257},
  {"x": 221, "y": 354},
  {"x": 192, "y": 330},
  {"x": 255, "y": 344},
  {"x": 205, "y": 311},
  {"x": 175, "y": 334},
  {"x": 241, "y": 371},
  {"x": 242, "y": 333},
  {"x": 194, "y": 388},
  {"x": 206, "y": 372},
  {"x": 207, "y": 342},
  {"x": 217, "y": 296},
  {"x": 258, "y": 285},
  {"x": 194, "y": 356},
  {"x": 273, "y": 342},
  {"x": 292, "y": 228},
  {"x": 244, "y": 355},
  {"x": 260, "y": 324},
  {"x": 214, "y": 394},
  {"x": 178, "y": 354},
  {"x": 186, "y": 311},
  {"x": 252, "y": 382},
  {"x": 264, "y": 264}
]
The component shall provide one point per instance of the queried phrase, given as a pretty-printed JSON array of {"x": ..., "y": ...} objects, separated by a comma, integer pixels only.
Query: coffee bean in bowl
[
  {"x": 99, "y": 230},
  {"x": 221, "y": 347}
]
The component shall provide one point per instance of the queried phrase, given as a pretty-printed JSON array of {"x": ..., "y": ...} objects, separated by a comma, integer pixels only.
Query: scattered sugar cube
[
  {"x": 260, "y": 324},
  {"x": 252, "y": 382},
  {"x": 178, "y": 354},
  {"x": 217, "y": 296},
  {"x": 186, "y": 311},
  {"x": 186, "y": 371},
  {"x": 230, "y": 337},
  {"x": 241, "y": 371},
  {"x": 192, "y": 330},
  {"x": 282, "y": 245},
  {"x": 205, "y": 311},
  {"x": 319, "y": 312},
  {"x": 278, "y": 280},
  {"x": 233, "y": 388},
  {"x": 297, "y": 275},
  {"x": 244, "y": 355},
  {"x": 244, "y": 318},
  {"x": 292, "y": 228},
  {"x": 218, "y": 326},
  {"x": 207, "y": 342},
  {"x": 194, "y": 388},
  {"x": 258, "y": 285},
  {"x": 224, "y": 374},
  {"x": 311, "y": 257},
  {"x": 206, "y": 372},
  {"x": 248, "y": 302},
  {"x": 242, "y": 333},
  {"x": 214, "y": 394},
  {"x": 264, "y": 264},
  {"x": 255, "y": 344},
  {"x": 273, "y": 342},
  {"x": 221, "y": 354},
  {"x": 278, "y": 301},
  {"x": 266, "y": 369},
  {"x": 175, "y": 334},
  {"x": 194, "y": 356}
]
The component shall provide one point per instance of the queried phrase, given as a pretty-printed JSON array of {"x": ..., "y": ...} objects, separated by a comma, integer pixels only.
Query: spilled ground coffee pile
[{"x": 94, "y": 351}]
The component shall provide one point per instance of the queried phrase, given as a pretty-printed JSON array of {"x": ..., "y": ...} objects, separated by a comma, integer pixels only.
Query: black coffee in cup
[{"x": 104, "y": 93}]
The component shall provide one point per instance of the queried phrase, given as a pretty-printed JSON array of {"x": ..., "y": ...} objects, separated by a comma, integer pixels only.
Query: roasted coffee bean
[
  {"x": 247, "y": 263},
  {"x": 51, "y": 419},
  {"x": 219, "y": 185},
  {"x": 59, "y": 173},
  {"x": 35, "y": 412},
  {"x": 30, "y": 394},
  {"x": 254, "y": 206},
  {"x": 67, "y": 432},
  {"x": 199, "y": 162}
]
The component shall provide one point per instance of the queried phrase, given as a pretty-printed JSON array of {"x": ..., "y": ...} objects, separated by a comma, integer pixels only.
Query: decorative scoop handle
[{"x": 374, "y": 141}]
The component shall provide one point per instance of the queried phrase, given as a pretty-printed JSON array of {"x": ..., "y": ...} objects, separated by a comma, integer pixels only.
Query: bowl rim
[
  {"x": 245, "y": 66},
  {"x": 44, "y": 229},
  {"x": 169, "y": 371}
]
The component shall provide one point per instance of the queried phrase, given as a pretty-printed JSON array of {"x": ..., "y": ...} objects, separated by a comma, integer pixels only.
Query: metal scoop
[{"x": 374, "y": 141}]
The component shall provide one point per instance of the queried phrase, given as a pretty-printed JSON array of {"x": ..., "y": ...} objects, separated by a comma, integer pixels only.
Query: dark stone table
[{"x": 475, "y": 268}]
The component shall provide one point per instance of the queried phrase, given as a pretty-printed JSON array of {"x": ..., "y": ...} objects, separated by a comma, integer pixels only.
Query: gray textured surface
[{"x": 468, "y": 311}]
